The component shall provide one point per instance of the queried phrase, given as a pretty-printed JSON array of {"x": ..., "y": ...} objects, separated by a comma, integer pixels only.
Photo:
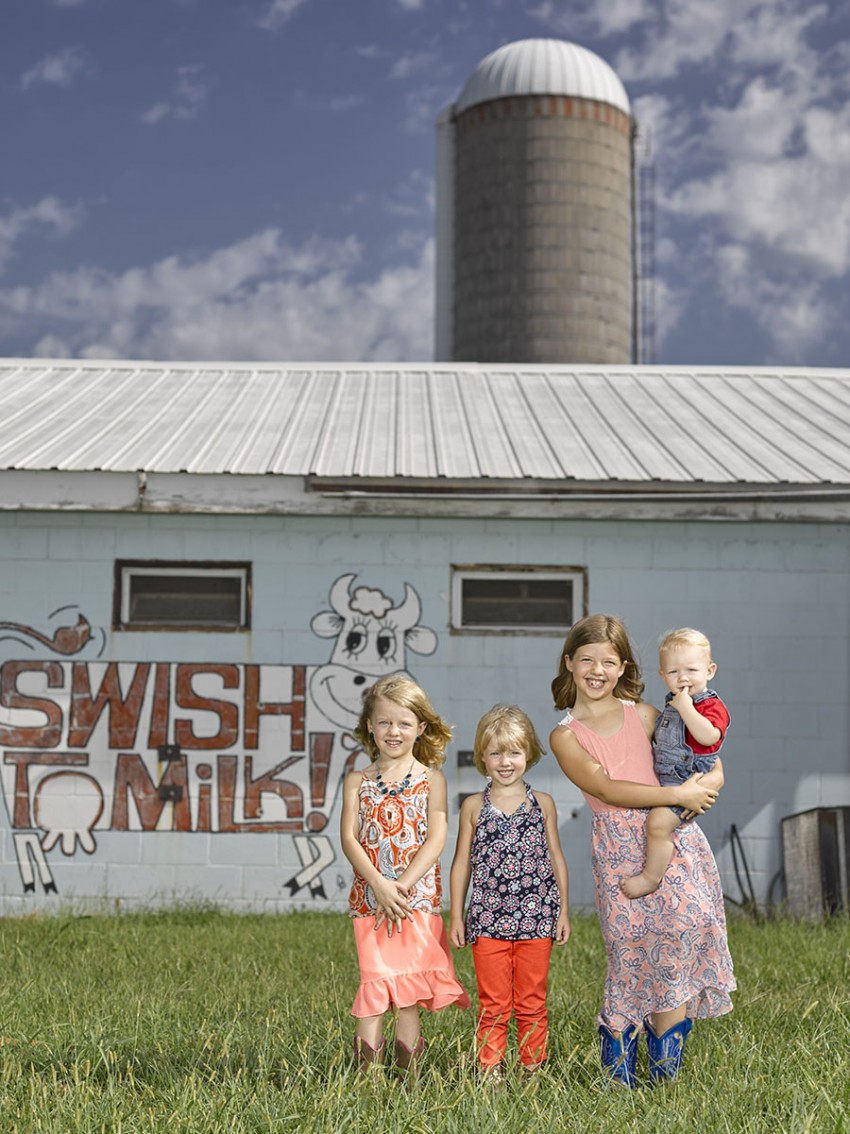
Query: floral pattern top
[
  {"x": 392, "y": 829},
  {"x": 514, "y": 893}
]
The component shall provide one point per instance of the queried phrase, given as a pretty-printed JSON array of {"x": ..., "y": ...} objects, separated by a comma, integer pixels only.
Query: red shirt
[{"x": 713, "y": 709}]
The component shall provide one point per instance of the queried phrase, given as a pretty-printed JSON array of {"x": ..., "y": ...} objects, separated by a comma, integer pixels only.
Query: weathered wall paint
[{"x": 161, "y": 766}]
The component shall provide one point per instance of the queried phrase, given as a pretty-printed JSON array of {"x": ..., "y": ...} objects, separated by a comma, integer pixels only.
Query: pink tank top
[{"x": 626, "y": 755}]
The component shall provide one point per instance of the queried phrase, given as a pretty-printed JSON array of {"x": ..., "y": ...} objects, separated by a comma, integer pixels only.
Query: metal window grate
[
  {"x": 503, "y": 599},
  {"x": 190, "y": 596}
]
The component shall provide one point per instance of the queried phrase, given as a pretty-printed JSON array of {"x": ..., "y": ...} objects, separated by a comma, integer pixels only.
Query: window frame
[
  {"x": 462, "y": 571},
  {"x": 126, "y": 569}
]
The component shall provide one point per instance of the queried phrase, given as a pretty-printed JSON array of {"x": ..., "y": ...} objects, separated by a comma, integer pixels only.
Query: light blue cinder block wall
[{"x": 773, "y": 598}]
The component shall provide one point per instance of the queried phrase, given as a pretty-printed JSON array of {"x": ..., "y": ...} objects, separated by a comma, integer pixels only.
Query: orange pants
[{"x": 512, "y": 977}]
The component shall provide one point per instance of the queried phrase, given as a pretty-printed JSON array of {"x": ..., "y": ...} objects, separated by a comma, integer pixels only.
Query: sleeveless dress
[
  {"x": 414, "y": 966},
  {"x": 668, "y": 948}
]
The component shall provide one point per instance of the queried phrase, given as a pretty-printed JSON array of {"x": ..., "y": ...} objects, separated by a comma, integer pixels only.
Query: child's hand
[
  {"x": 457, "y": 933},
  {"x": 563, "y": 929},
  {"x": 694, "y": 796},
  {"x": 392, "y": 902},
  {"x": 682, "y": 700}
]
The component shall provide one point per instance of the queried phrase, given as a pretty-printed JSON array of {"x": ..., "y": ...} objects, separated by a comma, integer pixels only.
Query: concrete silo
[{"x": 534, "y": 211}]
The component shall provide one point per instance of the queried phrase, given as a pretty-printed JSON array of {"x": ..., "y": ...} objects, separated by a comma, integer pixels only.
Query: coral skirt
[{"x": 413, "y": 967}]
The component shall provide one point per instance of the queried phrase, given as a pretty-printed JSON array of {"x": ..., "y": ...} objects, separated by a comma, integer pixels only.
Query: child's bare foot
[{"x": 639, "y": 885}]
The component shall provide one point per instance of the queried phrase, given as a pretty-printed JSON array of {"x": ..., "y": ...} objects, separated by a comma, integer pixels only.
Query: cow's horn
[{"x": 340, "y": 596}]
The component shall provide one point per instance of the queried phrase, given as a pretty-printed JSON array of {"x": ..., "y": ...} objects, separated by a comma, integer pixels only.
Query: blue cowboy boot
[
  {"x": 665, "y": 1052},
  {"x": 619, "y": 1054}
]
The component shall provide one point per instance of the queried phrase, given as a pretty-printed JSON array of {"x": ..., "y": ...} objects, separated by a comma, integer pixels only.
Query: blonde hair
[
  {"x": 431, "y": 746},
  {"x": 684, "y": 636},
  {"x": 586, "y": 632},
  {"x": 506, "y": 726}
]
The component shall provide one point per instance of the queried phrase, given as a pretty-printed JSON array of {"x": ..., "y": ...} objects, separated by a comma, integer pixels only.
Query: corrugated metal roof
[
  {"x": 603, "y": 426},
  {"x": 543, "y": 67}
]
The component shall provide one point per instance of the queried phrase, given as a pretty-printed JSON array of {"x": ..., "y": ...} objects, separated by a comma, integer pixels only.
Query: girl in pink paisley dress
[
  {"x": 668, "y": 958},
  {"x": 393, "y": 831}
]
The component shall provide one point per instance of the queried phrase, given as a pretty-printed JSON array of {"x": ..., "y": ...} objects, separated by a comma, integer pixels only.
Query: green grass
[{"x": 197, "y": 1020}]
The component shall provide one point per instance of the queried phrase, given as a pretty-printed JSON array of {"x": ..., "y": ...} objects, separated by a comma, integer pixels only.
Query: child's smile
[
  {"x": 394, "y": 729},
  {"x": 596, "y": 668},
  {"x": 506, "y": 767}
]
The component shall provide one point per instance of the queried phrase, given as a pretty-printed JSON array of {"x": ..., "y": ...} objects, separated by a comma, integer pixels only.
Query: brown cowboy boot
[
  {"x": 365, "y": 1056},
  {"x": 409, "y": 1060}
]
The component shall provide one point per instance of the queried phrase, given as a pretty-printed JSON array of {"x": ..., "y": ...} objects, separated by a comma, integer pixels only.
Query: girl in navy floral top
[{"x": 508, "y": 846}]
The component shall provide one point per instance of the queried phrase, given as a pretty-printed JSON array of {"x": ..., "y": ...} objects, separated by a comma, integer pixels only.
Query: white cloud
[
  {"x": 682, "y": 33},
  {"x": 51, "y": 346},
  {"x": 674, "y": 35},
  {"x": 792, "y": 206},
  {"x": 58, "y": 70},
  {"x": 760, "y": 126},
  {"x": 423, "y": 104},
  {"x": 187, "y": 100},
  {"x": 414, "y": 196},
  {"x": 668, "y": 306},
  {"x": 661, "y": 127},
  {"x": 346, "y": 102},
  {"x": 772, "y": 168},
  {"x": 256, "y": 299},
  {"x": 774, "y": 33},
  {"x": 610, "y": 16},
  {"x": 827, "y": 133},
  {"x": 49, "y": 213},
  {"x": 758, "y": 169},
  {"x": 412, "y": 63},
  {"x": 279, "y": 12},
  {"x": 156, "y": 113},
  {"x": 794, "y": 314}
]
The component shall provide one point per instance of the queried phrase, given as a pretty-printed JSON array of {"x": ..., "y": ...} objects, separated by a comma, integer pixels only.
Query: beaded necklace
[{"x": 401, "y": 785}]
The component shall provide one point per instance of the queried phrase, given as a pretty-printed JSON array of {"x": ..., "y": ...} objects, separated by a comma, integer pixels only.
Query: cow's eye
[
  {"x": 385, "y": 643},
  {"x": 355, "y": 640}
]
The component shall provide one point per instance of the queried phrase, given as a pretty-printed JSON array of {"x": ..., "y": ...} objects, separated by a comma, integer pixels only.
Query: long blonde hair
[
  {"x": 586, "y": 632},
  {"x": 430, "y": 748}
]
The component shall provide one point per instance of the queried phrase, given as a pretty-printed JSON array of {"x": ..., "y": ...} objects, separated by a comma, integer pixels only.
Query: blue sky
[{"x": 254, "y": 179}]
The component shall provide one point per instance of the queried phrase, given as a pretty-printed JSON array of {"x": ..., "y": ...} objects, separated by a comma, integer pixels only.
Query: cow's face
[{"x": 372, "y": 638}]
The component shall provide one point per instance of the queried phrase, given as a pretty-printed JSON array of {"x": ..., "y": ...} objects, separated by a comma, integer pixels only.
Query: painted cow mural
[{"x": 218, "y": 749}]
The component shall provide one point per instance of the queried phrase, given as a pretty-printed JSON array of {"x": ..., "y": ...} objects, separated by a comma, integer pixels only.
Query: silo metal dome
[
  {"x": 543, "y": 67},
  {"x": 534, "y": 211}
]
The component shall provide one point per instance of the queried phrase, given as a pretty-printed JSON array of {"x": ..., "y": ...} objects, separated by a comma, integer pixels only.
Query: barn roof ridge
[{"x": 464, "y": 422}]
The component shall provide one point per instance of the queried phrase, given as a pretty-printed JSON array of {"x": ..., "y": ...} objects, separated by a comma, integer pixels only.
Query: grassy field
[{"x": 201, "y": 1021}]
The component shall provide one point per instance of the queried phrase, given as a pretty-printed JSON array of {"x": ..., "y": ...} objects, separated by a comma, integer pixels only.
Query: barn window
[
  {"x": 544, "y": 600},
  {"x": 152, "y": 595}
]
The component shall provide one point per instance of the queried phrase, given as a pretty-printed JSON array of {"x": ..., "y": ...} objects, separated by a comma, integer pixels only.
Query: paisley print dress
[
  {"x": 668, "y": 948},
  {"x": 413, "y": 966},
  {"x": 392, "y": 829}
]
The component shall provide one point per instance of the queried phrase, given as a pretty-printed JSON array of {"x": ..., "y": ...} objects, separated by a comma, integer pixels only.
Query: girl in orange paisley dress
[
  {"x": 393, "y": 831},
  {"x": 668, "y": 957}
]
